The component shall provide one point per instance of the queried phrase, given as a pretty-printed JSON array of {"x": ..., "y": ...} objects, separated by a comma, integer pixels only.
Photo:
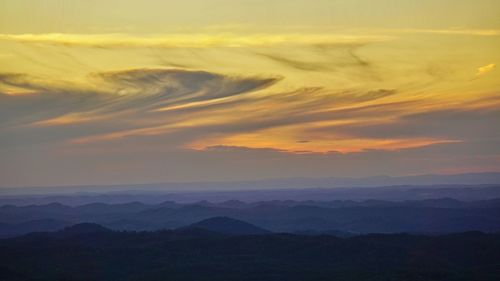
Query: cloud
[
  {"x": 483, "y": 70},
  {"x": 453, "y": 124},
  {"x": 35, "y": 99},
  {"x": 121, "y": 103},
  {"x": 143, "y": 162},
  {"x": 181, "y": 86},
  {"x": 300, "y": 65},
  {"x": 202, "y": 110},
  {"x": 194, "y": 109},
  {"x": 320, "y": 58},
  {"x": 153, "y": 124},
  {"x": 205, "y": 40},
  {"x": 448, "y": 31},
  {"x": 189, "y": 40},
  {"x": 229, "y": 148},
  {"x": 22, "y": 81}
]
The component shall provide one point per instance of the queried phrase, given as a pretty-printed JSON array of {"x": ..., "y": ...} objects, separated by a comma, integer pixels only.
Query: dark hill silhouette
[
  {"x": 201, "y": 255},
  {"x": 83, "y": 228},
  {"x": 229, "y": 226}
]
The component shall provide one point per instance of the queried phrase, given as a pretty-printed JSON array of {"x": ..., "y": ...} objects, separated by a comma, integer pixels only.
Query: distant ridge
[
  {"x": 38, "y": 225},
  {"x": 226, "y": 225},
  {"x": 296, "y": 182}
]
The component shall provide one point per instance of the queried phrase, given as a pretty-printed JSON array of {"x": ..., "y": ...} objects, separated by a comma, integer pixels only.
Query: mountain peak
[
  {"x": 84, "y": 228},
  {"x": 230, "y": 226}
]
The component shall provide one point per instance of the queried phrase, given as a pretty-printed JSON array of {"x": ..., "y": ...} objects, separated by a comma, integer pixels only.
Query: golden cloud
[
  {"x": 485, "y": 69},
  {"x": 116, "y": 40}
]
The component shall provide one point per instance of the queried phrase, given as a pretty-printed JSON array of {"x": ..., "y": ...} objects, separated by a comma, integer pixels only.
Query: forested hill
[{"x": 90, "y": 252}]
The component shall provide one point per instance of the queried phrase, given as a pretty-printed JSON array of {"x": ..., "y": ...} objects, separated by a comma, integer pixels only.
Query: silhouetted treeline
[{"x": 90, "y": 252}]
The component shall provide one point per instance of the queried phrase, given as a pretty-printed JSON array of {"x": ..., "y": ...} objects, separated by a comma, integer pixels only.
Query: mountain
[
  {"x": 332, "y": 232},
  {"x": 241, "y": 198},
  {"x": 228, "y": 226},
  {"x": 83, "y": 228},
  {"x": 41, "y": 225}
]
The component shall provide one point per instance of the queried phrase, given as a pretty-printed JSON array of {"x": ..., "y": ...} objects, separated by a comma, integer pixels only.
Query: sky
[{"x": 120, "y": 92}]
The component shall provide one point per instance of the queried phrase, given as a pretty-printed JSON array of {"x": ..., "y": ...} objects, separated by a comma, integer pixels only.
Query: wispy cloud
[
  {"x": 190, "y": 40},
  {"x": 447, "y": 31},
  {"x": 117, "y": 104},
  {"x": 200, "y": 110}
]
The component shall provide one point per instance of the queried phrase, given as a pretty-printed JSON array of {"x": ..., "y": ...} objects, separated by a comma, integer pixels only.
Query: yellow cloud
[
  {"x": 485, "y": 69},
  {"x": 474, "y": 32},
  {"x": 69, "y": 119},
  {"x": 190, "y": 40}
]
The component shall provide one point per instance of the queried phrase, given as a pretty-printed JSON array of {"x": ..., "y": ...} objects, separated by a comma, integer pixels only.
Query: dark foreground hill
[{"x": 94, "y": 253}]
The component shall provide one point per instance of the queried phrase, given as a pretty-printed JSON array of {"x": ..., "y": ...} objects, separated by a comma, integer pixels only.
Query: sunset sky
[{"x": 113, "y": 91}]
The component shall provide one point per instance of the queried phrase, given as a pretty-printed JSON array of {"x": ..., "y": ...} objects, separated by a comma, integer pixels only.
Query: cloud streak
[
  {"x": 131, "y": 95},
  {"x": 189, "y": 40}
]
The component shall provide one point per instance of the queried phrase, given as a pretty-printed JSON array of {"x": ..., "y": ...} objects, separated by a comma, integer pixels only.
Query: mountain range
[{"x": 435, "y": 216}]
